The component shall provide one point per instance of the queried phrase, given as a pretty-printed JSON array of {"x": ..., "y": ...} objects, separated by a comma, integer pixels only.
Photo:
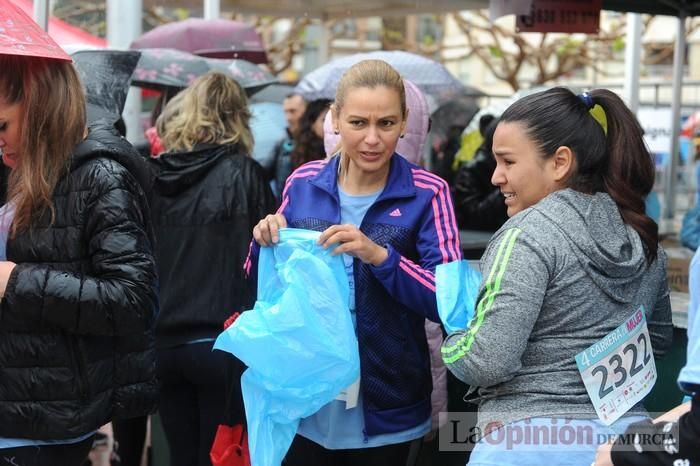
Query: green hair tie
[{"x": 598, "y": 115}]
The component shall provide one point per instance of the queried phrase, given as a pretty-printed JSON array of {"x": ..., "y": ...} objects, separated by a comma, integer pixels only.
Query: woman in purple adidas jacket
[{"x": 394, "y": 223}]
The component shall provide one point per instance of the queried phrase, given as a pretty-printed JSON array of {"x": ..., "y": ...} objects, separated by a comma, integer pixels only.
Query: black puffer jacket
[
  {"x": 205, "y": 204},
  {"x": 76, "y": 322}
]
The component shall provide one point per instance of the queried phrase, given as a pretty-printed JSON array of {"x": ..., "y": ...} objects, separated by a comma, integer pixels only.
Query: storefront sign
[{"x": 561, "y": 16}]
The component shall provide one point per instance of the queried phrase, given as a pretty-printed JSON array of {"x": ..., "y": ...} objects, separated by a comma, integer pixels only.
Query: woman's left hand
[
  {"x": 352, "y": 241},
  {"x": 602, "y": 457},
  {"x": 6, "y": 268}
]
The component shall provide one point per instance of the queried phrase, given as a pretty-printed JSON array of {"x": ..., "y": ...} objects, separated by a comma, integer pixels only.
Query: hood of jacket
[
  {"x": 611, "y": 252},
  {"x": 103, "y": 140},
  {"x": 177, "y": 171}
]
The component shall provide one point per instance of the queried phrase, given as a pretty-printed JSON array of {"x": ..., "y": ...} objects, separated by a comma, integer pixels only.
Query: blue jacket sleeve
[{"x": 411, "y": 283}]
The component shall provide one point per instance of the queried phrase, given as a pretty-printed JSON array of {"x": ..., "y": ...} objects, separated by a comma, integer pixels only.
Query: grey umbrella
[
  {"x": 430, "y": 76},
  {"x": 170, "y": 68},
  {"x": 273, "y": 93}
]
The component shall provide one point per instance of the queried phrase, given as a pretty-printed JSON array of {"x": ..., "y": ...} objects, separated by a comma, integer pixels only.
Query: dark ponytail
[
  {"x": 631, "y": 172},
  {"x": 617, "y": 163}
]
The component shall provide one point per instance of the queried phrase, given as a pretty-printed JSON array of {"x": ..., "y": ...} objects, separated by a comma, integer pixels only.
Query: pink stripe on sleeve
[
  {"x": 426, "y": 273},
  {"x": 285, "y": 201},
  {"x": 451, "y": 236},
  {"x": 451, "y": 210},
  {"x": 448, "y": 219},
  {"x": 309, "y": 169},
  {"x": 436, "y": 217},
  {"x": 248, "y": 264},
  {"x": 418, "y": 278}
]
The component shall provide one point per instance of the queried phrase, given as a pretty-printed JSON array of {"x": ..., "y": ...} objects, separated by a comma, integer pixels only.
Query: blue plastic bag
[
  {"x": 456, "y": 289},
  {"x": 298, "y": 341},
  {"x": 7, "y": 215}
]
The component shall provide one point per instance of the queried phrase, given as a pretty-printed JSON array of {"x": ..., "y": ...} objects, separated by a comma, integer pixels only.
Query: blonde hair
[
  {"x": 53, "y": 122},
  {"x": 213, "y": 110},
  {"x": 370, "y": 74},
  {"x": 170, "y": 110}
]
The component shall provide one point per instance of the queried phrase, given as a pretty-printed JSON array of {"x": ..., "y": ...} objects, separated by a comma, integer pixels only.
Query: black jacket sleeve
[
  {"x": 262, "y": 200},
  {"x": 118, "y": 295},
  {"x": 664, "y": 443}
]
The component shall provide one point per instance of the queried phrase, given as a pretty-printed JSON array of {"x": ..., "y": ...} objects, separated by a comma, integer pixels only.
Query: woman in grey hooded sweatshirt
[{"x": 574, "y": 296}]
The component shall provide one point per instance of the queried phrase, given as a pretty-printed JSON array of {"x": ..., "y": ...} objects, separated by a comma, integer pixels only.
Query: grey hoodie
[{"x": 558, "y": 277}]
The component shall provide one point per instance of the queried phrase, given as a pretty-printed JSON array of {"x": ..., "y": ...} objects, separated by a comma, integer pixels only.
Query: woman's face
[
  {"x": 370, "y": 123},
  {"x": 523, "y": 175},
  {"x": 10, "y": 118}
]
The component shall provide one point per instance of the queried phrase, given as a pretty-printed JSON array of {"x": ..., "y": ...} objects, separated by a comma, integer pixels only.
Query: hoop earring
[
  {"x": 401, "y": 136},
  {"x": 336, "y": 132}
]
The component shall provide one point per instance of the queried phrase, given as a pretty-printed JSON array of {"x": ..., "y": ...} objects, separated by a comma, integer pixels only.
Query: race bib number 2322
[{"x": 618, "y": 370}]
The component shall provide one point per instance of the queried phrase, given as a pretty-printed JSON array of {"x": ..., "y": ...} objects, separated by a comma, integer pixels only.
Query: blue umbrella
[
  {"x": 430, "y": 76},
  {"x": 269, "y": 127}
]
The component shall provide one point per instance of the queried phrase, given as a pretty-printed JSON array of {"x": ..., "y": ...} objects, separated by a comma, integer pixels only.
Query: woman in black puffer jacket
[{"x": 79, "y": 280}]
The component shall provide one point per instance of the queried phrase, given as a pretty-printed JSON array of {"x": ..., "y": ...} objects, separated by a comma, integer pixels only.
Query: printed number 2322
[{"x": 618, "y": 369}]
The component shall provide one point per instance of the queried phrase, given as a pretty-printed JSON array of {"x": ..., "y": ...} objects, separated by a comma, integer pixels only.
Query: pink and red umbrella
[
  {"x": 66, "y": 35},
  {"x": 217, "y": 38},
  {"x": 20, "y": 35}
]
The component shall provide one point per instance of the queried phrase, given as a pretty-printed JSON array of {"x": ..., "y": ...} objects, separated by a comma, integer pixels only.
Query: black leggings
[
  {"x": 304, "y": 452},
  {"x": 72, "y": 454},
  {"x": 192, "y": 400}
]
